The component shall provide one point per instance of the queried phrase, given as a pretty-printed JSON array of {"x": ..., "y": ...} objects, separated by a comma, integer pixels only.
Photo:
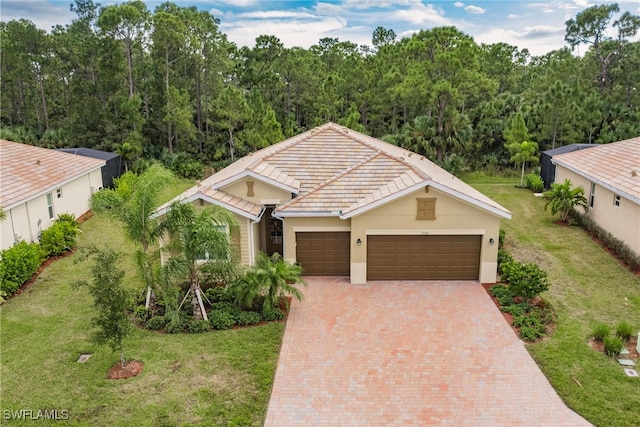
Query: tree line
[{"x": 168, "y": 84}]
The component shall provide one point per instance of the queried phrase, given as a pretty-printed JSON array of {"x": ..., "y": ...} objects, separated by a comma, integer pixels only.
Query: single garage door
[
  {"x": 323, "y": 253},
  {"x": 423, "y": 257}
]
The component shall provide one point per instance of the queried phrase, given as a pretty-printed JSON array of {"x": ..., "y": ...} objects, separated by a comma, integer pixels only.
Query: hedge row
[{"x": 21, "y": 261}]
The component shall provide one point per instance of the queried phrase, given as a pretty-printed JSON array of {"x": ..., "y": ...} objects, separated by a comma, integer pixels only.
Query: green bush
[
  {"x": 18, "y": 264},
  {"x": 501, "y": 236},
  {"x": 531, "y": 325},
  {"x": 60, "y": 236},
  {"x": 199, "y": 326},
  {"x": 218, "y": 294},
  {"x": 613, "y": 345},
  {"x": 156, "y": 323},
  {"x": 515, "y": 309},
  {"x": 176, "y": 322},
  {"x": 502, "y": 294},
  {"x": 624, "y": 330},
  {"x": 601, "y": 331},
  {"x": 245, "y": 318},
  {"x": 503, "y": 257},
  {"x": 221, "y": 319},
  {"x": 272, "y": 313},
  {"x": 526, "y": 280},
  {"x": 142, "y": 313},
  {"x": 534, "y": 182}
]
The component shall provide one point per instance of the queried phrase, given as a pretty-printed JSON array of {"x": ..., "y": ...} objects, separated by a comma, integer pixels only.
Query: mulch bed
[{"x": 131, "y": 369}]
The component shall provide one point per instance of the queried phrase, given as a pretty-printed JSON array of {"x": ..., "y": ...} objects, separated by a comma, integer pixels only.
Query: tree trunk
[
  {"x": 44, "y": 103},
  {"x": 166, "y": 86},
  {"x": 130, "y": 66},
  {"x": 231, "y": 146}
]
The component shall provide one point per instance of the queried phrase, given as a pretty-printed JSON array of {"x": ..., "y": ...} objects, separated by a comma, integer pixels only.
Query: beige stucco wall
[
  {"x": 452, "y": 217},
  {"x": 264, "y": 194},
  {"x": 622, "y": 221},
  {"x": 23, "y": 220}
]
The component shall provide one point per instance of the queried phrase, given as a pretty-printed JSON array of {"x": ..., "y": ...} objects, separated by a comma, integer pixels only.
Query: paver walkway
[{"x": 407, "y": 353}]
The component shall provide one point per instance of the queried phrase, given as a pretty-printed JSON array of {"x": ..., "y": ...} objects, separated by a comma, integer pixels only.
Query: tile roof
[
  {"x": 27, "y": 171},
  {"x": 337, "y": 171},
  {"x": 615, "y": 166}
]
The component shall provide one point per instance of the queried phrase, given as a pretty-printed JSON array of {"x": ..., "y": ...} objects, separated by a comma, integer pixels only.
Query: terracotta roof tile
[
  {"x": 233, "y": 202},
  {"x": 340, "y": 170},
  {"x": 615, "y": 165},
  {"x": 27, "y": 171}
]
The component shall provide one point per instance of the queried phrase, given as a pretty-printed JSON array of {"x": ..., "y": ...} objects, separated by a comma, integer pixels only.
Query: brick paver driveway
[{"x": 407, "y": 353}]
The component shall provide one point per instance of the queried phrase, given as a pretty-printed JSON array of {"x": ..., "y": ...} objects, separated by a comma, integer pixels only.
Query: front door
[{"x": 273, "y": 230}]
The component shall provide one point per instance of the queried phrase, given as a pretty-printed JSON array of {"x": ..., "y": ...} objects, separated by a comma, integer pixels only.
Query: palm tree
[
  {"x": 132, "y": 203},
  {"x": 272, "y": 278},
  {"x": 523, "y": 152},
  {"x": 562, "y": 198},
  {"x": 198, "y": 239}
]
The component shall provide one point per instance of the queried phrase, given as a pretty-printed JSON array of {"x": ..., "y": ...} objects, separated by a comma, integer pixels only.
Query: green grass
[
  {"x": 588, "y": 286},
  {"x": 215, "y": 378}
]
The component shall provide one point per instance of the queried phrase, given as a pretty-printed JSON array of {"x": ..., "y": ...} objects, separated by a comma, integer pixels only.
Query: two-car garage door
[
  {"x": 392, "y": 257},
  {"x": 423, "y": 257}
]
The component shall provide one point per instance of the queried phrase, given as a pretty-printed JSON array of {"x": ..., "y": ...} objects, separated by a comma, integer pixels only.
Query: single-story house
[
  {"x": 37, "y": 184},
  {"x": 113, "y": 168},
  {"x": 610, "y": 177},
  {"x": 341, "y": 203},
  {"x": 548, "y": 169}
]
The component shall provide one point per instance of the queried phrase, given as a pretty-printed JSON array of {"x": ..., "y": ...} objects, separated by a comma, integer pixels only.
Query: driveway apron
[{"x": 407, "y": 353}]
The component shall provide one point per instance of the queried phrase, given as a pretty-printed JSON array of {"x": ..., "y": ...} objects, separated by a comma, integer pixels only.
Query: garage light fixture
[
  {"x": 359, "y": 242},
  {"x": 491, "y": 241}
]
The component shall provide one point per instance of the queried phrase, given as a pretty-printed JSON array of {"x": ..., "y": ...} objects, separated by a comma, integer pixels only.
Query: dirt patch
[
  {"x": 630, "y": 345},
  {"x": 131, "y": 369}
]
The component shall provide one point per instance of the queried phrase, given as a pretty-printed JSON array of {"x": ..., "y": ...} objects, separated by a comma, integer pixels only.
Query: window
[
  {"x": 59, "y": 193},
  {"x": 616, "y": 200},
  {"x": 50, "y": 206},
  {"x": 592, "y": 196},
  {"x": 213, "y": 253},
  {"x": 426, "y": 209}
]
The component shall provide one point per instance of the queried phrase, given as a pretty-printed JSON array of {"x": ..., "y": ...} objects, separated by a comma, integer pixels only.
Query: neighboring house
[
  {"x": 37, "y": 184},
  {"x": 548, "y": 169},
  {"x": 341, "y": 203},
  {"x": 610, "y": 177},
  {"x": 113, "y": 167}
]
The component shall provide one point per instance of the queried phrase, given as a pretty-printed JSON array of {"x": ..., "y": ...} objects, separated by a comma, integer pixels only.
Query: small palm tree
[
  {"x": 562, "y": 198},
  {"x": 522, "y": 153},
  {"x": 197, "y": 239},
  {"x": 272, "y": 278}
]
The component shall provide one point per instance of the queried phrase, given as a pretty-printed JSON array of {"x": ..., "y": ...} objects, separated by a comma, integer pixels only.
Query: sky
[{"x": 538, "y": 26}]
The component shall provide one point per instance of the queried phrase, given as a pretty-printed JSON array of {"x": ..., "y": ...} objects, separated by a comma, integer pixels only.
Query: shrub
[
  {"x": 18, "y": 264},
  {"x": 525, "y": 279},
  {"x": 601, "y": 331},
  {"x": 534, "y": 182},
  {"x": 176, "y": 322},
  {"x": 272, "y": 313},
  {"x": 156, "y": 323},
  {"x": 502, "y": 294},
  {"x": 199, "y": 326},
  {"x": 624, "y": 330},
  {"x": 218, "y": 294},
  {"x": 515, "y": 309},
  {"x": 60, "y": 237},
  {"x": 142, "y": 313},
  {"x": 221, "y": 319},
  {"x": 503, "y": 257},
  {"x": 501, "y": 236},
  {"x": 532, "y": 325},
  {"x": 245, "y": 318},
  {"x": 613, "y": 345}
]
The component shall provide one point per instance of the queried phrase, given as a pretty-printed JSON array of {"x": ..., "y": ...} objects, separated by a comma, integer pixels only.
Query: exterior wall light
[
  {"x": 359, "y": 242},
  {"x": 491, "y": 241}
]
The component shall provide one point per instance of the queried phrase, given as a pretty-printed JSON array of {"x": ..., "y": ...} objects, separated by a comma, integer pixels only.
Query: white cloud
[
  {"x": 328, "y": 8},
  {"x": 458, "y": 4},
  {"x": 421, "y": 14},
  {"x": 369, "y": 4},
  {"x": 474, "y": 9},
  {"x": 538, "y": 39},
  {"x": 291, "y": 33},
  {"x": 238, "y": 3},
  {"x": 216, "y": 12},
  {"x": 276, "y": 14},
  {"x": 513, "y": 16}
]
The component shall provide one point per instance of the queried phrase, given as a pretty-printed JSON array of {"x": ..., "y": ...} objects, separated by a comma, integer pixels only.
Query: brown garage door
[
  {"x": 323, "y": 253},
  {"x": 423, "y": 257}
]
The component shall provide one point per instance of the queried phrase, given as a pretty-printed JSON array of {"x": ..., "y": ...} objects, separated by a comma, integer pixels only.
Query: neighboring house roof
[
  {"x": 568, "y": 149},
  {"x": 26, "y": 172},
  {"x": 335, "y": 171},
  {"x": 615, "y": 166},
  {"x": 90, "y": 152}
]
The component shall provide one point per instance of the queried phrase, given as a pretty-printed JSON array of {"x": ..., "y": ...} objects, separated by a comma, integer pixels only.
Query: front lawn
[
  {"x": 214, "y": 378},
  {"x": 587, "y": 286}
]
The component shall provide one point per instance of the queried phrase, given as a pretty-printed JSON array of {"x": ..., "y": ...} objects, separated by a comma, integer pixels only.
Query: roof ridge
[
  {"x": 331, "y": 179},
  {"x": 295, "y": 140}
]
